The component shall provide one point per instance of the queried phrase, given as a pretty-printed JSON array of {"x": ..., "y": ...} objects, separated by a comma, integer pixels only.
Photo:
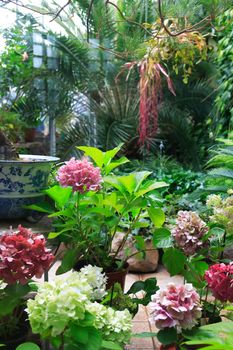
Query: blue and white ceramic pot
[{"x": 22, "y": 182}]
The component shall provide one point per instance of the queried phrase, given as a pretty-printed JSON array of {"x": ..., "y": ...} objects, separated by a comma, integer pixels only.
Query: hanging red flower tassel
[{"x": 150, "y": 87}]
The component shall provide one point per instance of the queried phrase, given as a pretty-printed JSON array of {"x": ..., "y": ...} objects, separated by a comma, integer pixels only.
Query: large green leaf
[
  {"x": 43, "y": 207},
  {"x": 95, "y": 154},
  {"x": 167, "y": 336},
  {"x": 162, "y": 238},
  {"x": 157, "y": 216},
  {"x": 150, "y": 186},
  {"x": 115, "y": 164},
  {"x": 68, "y": 262},
  {"x": 174, "y": 260},
  {"x": 59, "y": 194},
  {"x": 109, "y": 155}
]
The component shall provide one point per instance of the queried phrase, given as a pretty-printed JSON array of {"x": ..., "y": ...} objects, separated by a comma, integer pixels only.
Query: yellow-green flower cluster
[
  {"x": 64, "y": 301},
  {"x": 115, "y": 325},
  {"x": 222, "y": 211}
]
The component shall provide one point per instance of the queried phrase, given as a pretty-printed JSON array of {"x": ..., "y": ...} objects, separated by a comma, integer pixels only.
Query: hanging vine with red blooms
[
  {"x": 150, "y": 88},
  {"x": 182, "y": 51}
]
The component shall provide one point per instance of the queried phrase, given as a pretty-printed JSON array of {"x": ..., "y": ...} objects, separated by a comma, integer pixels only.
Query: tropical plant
[
  {"x": 221, "y": 164},
  {"x": 225, "y": 79}
]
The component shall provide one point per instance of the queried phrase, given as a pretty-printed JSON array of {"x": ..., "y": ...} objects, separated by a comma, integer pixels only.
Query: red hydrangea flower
[
  {"x": 80, "y": 174},
  {"x": 220, "y": 281},
  {"x": 23, "y": 255}
]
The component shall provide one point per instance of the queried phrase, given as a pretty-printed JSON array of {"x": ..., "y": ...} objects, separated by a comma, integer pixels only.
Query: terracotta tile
[
  {"x": 137, "y": 343},
  {"x": 130, "y": 279},
  {"x": 141, "y": 314}
]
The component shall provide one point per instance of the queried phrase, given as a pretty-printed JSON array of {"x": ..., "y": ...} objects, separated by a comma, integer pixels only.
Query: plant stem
[{"x": 126, "y": 235}]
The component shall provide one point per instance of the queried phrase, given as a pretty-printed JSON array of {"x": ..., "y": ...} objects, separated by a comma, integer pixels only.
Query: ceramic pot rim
[{"x": 31, "y": 159}]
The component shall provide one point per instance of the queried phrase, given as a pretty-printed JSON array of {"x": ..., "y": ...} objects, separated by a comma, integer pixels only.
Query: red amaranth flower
[
  {"x": 220, "y": 281},
  {"x": 80, "y": 174},
  {"x": 23, "y": 255}
]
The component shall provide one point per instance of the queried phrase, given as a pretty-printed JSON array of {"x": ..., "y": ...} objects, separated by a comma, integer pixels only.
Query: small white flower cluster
[
  {"x": 115, "y": 325},
  {"x": 96, "y": 279},
  {"x": 63, "y": 301}
]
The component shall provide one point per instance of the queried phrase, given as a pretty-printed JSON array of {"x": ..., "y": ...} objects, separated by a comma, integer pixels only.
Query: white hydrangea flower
[
  {"x": 213, "y": 200},
  {"x": 97, "y": 279},
  {"x": 57, "y": 302},
  {"x": 115, "y": 325}
]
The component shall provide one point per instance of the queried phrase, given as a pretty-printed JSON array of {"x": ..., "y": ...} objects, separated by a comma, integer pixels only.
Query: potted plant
[
  {"x": 22, "y": 179},
  {"x": 91, "y": 205},
  {"x": 23, "y": 255}
]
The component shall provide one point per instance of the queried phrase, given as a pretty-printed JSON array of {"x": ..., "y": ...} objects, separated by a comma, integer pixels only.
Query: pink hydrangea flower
[
  {"x": 189, "y": 231},
  {"x": 23, "y": 255},
  {"x": 176, "y": 306},
  {"x": 220, "y": 281},
  {"x": 81, "y": 175}
]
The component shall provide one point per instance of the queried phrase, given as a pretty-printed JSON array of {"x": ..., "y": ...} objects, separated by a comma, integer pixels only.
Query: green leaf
[
  {"x": 174, "y": 260},
  {"x": 150, "y": 285},
  {"x": 128, "y": 182},
  {"x": 144, "y": 335},
  {"x": 200, "y": 267},
  {"x": 110, "y": 345},
  {"x": 140, "y": 243},
  {"x": 68, "y": 262},
  {"x": 95, "y": 339},
  {"x": 115, "y": 164},
  {"x": 109, "y": 155},
  {"x": 28, "y": 346},
  {"x": 79, "y": 334},
  {"x": 167, "y": 336},
  {"x": 140, "y": 176},
  {"x": 59, "y": 194},
  {"x": 136, "y": 287},
  {"x": 95, "y": 154},
  {"x": 162, "y": 238},
  {"x": 43, "y": 207},
  {"x": 148, "y": 187},
  {"x": 68, "y": 212},
  {"x": 157, "y": 216}
]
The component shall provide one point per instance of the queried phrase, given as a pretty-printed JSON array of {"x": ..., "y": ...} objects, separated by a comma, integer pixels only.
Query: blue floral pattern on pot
[{"x": 22, "y": 183}]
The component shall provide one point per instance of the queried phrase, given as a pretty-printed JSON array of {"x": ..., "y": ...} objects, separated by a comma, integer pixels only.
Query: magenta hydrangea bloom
[
  {"x": 81, "y": 175},
  {"x": 189, "y": 231},
  {"x": 220, "y": 281},
  {"x": 176, "y": 306},
  {"x": 23, "y": 255}
]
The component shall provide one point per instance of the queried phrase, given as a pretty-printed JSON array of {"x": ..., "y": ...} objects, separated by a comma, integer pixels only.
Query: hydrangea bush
[{"x": 65, "y": 303}]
